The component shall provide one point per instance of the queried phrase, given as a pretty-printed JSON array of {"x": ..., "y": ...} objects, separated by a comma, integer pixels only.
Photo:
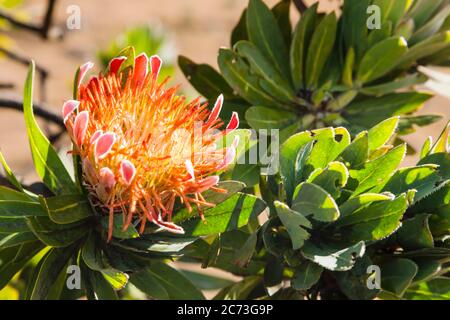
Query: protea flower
[{"x": 142, "y": 146}]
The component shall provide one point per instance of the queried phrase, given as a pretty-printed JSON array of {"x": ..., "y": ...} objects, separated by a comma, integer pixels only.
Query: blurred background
[{"x": 195, "y": 28}]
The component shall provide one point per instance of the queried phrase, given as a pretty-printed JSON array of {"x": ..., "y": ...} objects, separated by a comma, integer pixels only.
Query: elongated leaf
[
  {"x": 334, "y": 259},
  {"x": 377, "y": 171},
  {"x": 264, "y": 32},
  {"x": 369, "y": 112},
  {"x": 12, "y": 225},
  {"x": 269, "y": 118},
  {"x": 331, "y": 179},
  {"x": 393, "y": 10},
  {"x": 240, "y": 30},
  {"x": 306, "y": 275},
  {"x": 102, "y": 289},
  {"x": 205, "y": 79},
  {"x": 118, "y": 232},
  {"x": 382, "y": 133},
  {"x": 149, "y": 284},
  {"x": 46, "y": 161},
  {"x": 393, "y": 86},
  {"x": 237, "y": 73},
  {"x": 381, "y": 59},
  {"x": 271, "y": 79},
  {"x": 322, "y": 43},
  {"x": 311, "y": 200},
  {"x": 360, "y": 201},
  {"x": 354, "y": 26},
  {"x": 15, "y": 204},
  {"x": 231, "y": 214},
  {"x": 375, "y": 222},
  {"x": 435, "y": 289},
  {"x": 239, "y": 290},
  {"x": 53, "y": 265},
  {"x": 15, "y": 239},
  {"x": 68, "y": 208},
  {"x": 9, "y": 174},
  {"x": 176, "y": 284},
  {"x": 300, "y": 42},
  {"x": 431, "y": 26},
  {"x": 281, "y": 11}
]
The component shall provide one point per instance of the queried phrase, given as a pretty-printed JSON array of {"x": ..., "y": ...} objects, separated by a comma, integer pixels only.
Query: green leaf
[
  {"x": 300, "y": 42},
  {"x": 243, "y": 255},
  {"x": 354, "y": 26},
  {"x": 14, "y": 204},
  {"x": 240, "y": 30},
  {"x": 432, "y": 26},
  {"x": 293, "y": 222},
  {"x": 426, "y": 147},
  {"x": 264, "y": 32},
  {"x": 205, "y": 79},
  {"x": 353, "y": 283},
  {"x": 391, "y": 87},
  {"x": 427, "y": 270},
  {"x": 435, "y": 289},
  {"x": 415, "y": 233},
  {"x": 382, "y": 133},
  {"x": 422, "y": 178},
  {"x": 46, "y": 161},
  {"x": 332, "y": 258},
  {"x": 422, "y": 10},
  {"x": 238, "y": 75},
  {"x": 369, "y": 111},
  {"x": 331, "y": 179},
  {"x": 12, "y": 225},
  {"x": 378, "y": 35},
  {"x": 397, "y": 275},
  {"x": 118, "y": 232},
  {"x": 306, "y": 275},
  {"x": 357, "y": 152},
  {"x": 149, "y": 284},
  {"x": 175, "y": 283},
  {"x": 205, "y": 281},
  {"x": 271, "y": 80},
  {"x": 407, "y": 123},
  {"x": 102, "y": 288},
  {"x": 320, "y": 48},
  {"x": 269, "y": 118},
  {"x": 380, "y": 59},
  {"x": 155, "y": 243},
  {"x": 10, "y": 175},
  {"x": 94, "y": 258},
  {"x": 347, "y": 73},
  {"x": 424, "y": 49},
  {"x": 233, "y": 213},
  {"x": 393, "y": 10},
  {"x": 360, "y": 201},
  {"x": 15, "y": 239},
  {"x": 310, "y": 199},
  {"x": 374, "y": 222},
  {"x": 68, "y": 208},
  {"x": 56, "y": 235},
  {"x": 281, "y": 11},
  {"x": 54, "y": 262},
  {"x": 377, "y": 171},
  {"x": 239, "y": 290}
]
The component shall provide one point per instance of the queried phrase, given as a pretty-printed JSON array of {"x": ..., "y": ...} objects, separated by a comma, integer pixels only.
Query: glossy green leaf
[
  {"x": 239, "y": 290},
  {"x": 68, "y": 208},
  {"x": 332, "y": 258},
  {"x": 102, "y": 289},
  {"x": 12, "y": 225},
  {"x": 54, "y": 262},
  {"x": 357, "y": 152},
  {"x": 312, "y": 200},
  {"x": 233, "y": 213},
  {"x": 175, "y": 283},
  {"x": 46, "y": 161},
  {"x": 269, "y": 118},
  {"x": 300, "y": 42},
  {"x": 332, "y": 178},
  {"x": 415, "y": 233},
  {"x": 306, "y": 275},
  {"x": 380, "y": 134},
  {"x": 118, "y": 232},
  {"x": 148, "y": 283},
  {"x": 293, "y": 222},
  {"x": 240, "y": 30},
  {"x": 243, "y": 256},
  {"x": 381, "y": 58},
  {"x": 377, "y": 171},
  {"x": 397, "y": 275},
  {"x": 432, "y": 26},
  {"x": 264, "y": 32},
  {"x": 14, "y": 204},
  {"x": 319, "y": 49},
  {"x": 15, "y": 239},
  {"x": 375, "y": 222},
  {"x": 360, "y": 201},
  {"x": 354, "y": 26},
  {"x": 435, "y": 289},
  {"x": 391, "y": 87}
]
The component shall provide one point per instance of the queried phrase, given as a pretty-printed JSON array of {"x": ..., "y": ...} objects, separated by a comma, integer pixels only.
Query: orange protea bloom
[{"x": 142, "y": 146}]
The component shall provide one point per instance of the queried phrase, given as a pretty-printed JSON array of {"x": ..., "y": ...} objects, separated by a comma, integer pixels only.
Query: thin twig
[
  {"x": 300, "y": 5},
  {"x": 42, "y": 30},
  {"x": 39, "y": 111}
]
